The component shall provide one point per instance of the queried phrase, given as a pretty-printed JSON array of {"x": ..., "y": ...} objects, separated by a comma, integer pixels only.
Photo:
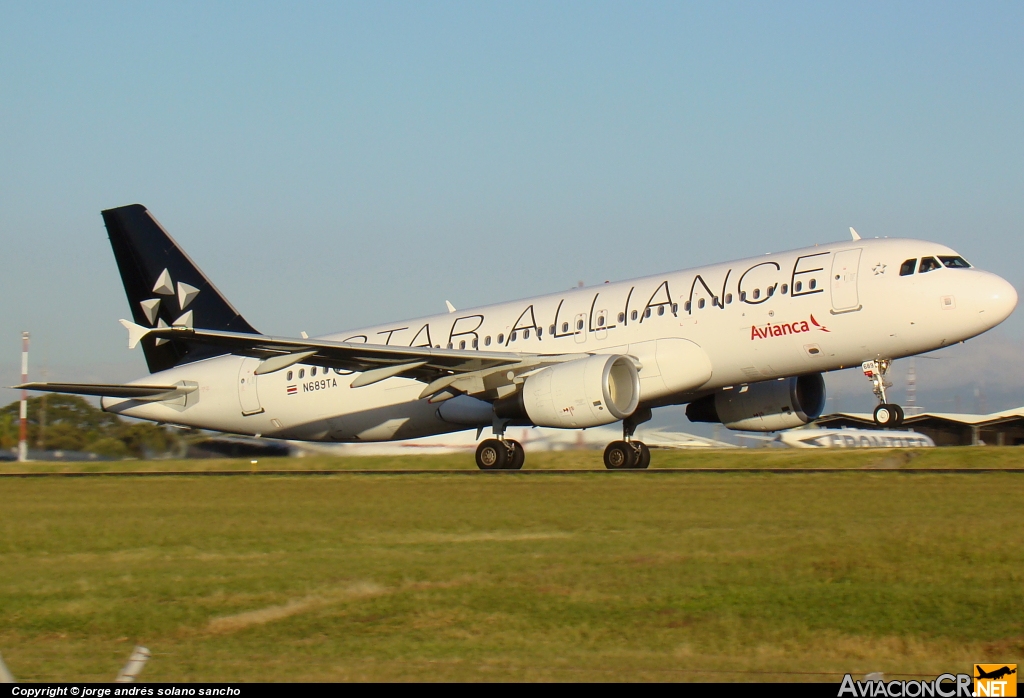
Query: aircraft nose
[{"x": 999, "y": 299}]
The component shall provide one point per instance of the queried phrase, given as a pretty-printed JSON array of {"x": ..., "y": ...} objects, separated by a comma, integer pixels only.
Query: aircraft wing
[
  {"x": 137, "y": 392},
  {"x": 461, "y": 370}
]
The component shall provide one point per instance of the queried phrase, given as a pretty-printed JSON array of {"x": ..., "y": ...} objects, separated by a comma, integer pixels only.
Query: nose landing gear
[
  {"x": 629, "y": 454},
  {"x": 886, "y": 414}
]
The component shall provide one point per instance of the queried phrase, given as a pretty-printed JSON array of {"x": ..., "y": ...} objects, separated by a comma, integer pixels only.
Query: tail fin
[{"x": 165, "y": 287}]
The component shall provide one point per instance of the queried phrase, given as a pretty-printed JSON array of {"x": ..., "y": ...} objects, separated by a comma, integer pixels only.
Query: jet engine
[
  {"x": 766, "y": 406},
  {"x": 582, "y": 393}
]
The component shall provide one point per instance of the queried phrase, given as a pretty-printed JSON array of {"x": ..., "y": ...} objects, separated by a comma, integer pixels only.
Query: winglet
[
  {"x": 854, "y": 233},
  {"x": 135, "y": 332},
  {"x": 451, "y": 308}
]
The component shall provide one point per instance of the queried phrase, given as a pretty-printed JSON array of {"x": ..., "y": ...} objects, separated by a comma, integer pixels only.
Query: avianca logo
[{"x": 784, "y": 328}]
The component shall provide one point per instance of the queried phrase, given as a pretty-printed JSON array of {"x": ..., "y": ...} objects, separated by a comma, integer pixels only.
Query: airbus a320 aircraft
[{"x": 742, "y": 343}]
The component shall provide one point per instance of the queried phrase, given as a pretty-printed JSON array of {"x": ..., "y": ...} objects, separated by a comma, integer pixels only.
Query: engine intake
[
  {"x": 582, "y": 393},
  {"x": 765, "y": 406}
]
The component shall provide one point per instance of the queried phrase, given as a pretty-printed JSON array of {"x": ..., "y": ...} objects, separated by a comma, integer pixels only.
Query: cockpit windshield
[
  {"x": 931, "y": 264},
  {"x": 954, "y": 262}
]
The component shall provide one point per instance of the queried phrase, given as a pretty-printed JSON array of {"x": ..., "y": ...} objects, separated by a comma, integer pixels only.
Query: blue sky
[{"x": 332, "y": 164}]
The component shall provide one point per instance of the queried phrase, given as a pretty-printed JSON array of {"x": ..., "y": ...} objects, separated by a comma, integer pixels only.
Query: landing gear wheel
[
  {"x": 619, "y": 455},
  {"x": 518, "y": 455},
  {"x": 643, "y": 459},
  {"x": 888, "y": 415},
  {"x": 492, "y": 454}
]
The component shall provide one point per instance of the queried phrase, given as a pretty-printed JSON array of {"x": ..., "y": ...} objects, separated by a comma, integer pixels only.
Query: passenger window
[
  {"x": 700, "y": 303},
  {"x": 785, "y": 289},
  {"x": 813, "y": 284},
  {"x": 540, "y": 332},
  {"x": 526, "y": 334},
  {"x": 302, "y": 373},
  {"x": 798, "y": 286},
  {"x": 501, "y": 338},
  {"x": 675, "y": 308},
  {"x": 954, "y": 262},
  {"x": 907, "y": 268},
  {"x": 743, "y": 296},
  {"x": 728, "y": 298},
  {"x": 565, "y": 327},
  {"x": 661, "y": 310},
  {"x": 579, "y": 324},
  {"x": 289, "y": 376},
  {"x": 771, "y": 291},
  {"x": 487, "y": 341},
  {"x": 476, "y": 343},
  {"x": 622, "y": 318},
  {"x": 714, "y": 301},
  {"x": 647, "y": 312},
  {"x": 686, "y": 306},
  {"x": 632, "y": 316},
  {"x": 515, "y": 336},
  {"x": 757, "y": 293},
  {"x": 928, "y": 264},
  {"x": 600, "y": 322},
  {"x": 551, "y": 330},
  {"x": 312, "y": 372},
  {"x": 462, "y": 344},
  {"x": 449, "y": 345}
]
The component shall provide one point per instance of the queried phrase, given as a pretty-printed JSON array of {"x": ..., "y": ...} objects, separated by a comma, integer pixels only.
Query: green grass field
[{"x": 588, "y": 576}]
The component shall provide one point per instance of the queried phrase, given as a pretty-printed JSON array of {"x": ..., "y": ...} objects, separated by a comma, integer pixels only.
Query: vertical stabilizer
[{"x": 166, "y": 288}]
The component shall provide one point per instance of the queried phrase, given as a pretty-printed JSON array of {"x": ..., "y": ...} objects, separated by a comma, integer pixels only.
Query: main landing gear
[
  {"x": 500, "y": 453},
  {"x": 885, "y": 415},
  {"x": 629, "y": 454}
]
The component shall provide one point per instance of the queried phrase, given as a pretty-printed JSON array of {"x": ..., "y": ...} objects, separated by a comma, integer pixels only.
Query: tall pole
[{"x": 23, "y": 429}]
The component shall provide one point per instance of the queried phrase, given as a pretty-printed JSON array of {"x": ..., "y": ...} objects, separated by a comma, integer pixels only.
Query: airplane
[
  {"x": 742, "y": 343},
  {"x": 816, "y": 437}
]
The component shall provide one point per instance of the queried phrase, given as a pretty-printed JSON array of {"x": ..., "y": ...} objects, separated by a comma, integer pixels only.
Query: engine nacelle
[
  {"x": 576, "y": 394},
  {"x": 765, "y": 406}
]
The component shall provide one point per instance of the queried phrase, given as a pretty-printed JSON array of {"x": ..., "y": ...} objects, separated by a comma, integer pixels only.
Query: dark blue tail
[{"x": 165, "y": 287}]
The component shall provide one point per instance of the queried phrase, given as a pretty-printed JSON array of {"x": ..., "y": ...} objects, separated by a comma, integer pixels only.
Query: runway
[{"x": 485, "y": 473}]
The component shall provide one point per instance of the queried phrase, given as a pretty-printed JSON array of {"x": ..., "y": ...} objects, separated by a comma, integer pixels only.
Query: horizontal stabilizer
[
  {"x": 138, "y": 392},
  {"x": 135, "y": 332}
]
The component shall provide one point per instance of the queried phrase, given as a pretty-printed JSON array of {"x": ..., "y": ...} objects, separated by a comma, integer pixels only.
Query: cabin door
[
  {"x": 845, "y": 266},
  {"x": 247, "y": 396}
]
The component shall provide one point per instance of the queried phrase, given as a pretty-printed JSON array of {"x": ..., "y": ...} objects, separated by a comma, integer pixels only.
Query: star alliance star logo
[
  {"x": 165, "y": 286},
  {"x": 879, "y": 269}
]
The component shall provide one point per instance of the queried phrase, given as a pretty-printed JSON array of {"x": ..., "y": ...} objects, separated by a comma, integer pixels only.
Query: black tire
[
  {"x": 491, "y": 454},
  {"x": 619, "y": 455},
  {"x": 643, "y": 455},
  {"x": 518, "y": 456},
  {"x": 884, "y": 416},
  {"x": 898, "y": 422}
]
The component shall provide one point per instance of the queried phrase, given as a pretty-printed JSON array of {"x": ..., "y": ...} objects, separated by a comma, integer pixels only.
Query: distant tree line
[{"x": 71, "y": 423}]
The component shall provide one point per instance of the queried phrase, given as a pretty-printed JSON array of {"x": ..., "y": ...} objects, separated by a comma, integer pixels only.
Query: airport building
[{"x": 1004, "y": 428}]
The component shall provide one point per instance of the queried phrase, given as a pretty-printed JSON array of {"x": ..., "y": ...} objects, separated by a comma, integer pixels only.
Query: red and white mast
[{"x": 23, "y": 429}]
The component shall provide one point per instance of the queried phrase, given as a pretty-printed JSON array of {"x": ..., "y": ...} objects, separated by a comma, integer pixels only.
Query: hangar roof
[{"x": 993, "y": 418}]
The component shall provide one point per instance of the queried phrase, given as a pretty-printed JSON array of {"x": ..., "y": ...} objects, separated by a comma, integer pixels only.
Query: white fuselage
[{"x": 811, "y": 310}]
